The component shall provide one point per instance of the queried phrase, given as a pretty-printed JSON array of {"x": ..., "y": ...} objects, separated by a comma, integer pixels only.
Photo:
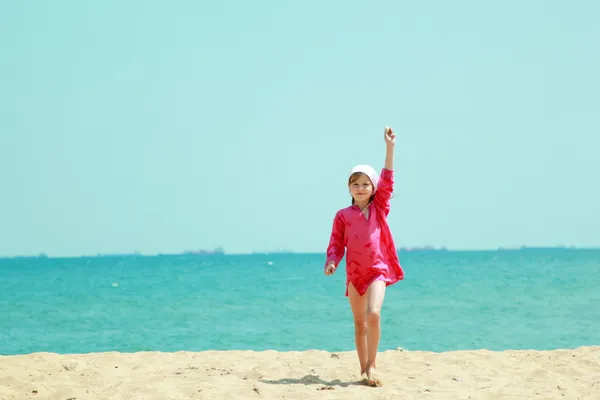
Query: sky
[{"x": 159, "y": 126}]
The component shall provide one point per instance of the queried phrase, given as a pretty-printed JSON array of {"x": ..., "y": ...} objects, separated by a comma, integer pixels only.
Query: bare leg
[
  {"x": 375, "y": 295},
  {"x": 358, "y": 304}
]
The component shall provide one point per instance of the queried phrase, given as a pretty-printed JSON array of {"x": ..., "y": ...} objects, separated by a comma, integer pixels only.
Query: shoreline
[
  {"x": 217, "y": 374},
  {"x": 352, "y": 351}
]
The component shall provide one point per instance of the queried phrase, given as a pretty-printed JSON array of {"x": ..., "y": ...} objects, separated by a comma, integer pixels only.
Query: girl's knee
[
  {"x": 360, "y": 325},
  {"x": 373, "y": 316}
]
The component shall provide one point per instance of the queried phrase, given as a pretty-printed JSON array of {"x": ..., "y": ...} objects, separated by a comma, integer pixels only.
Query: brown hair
[{"x": 355, "y": 177}]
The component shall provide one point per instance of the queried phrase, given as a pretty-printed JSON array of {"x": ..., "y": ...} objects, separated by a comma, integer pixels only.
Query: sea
[{"x": 449, "y": 300}]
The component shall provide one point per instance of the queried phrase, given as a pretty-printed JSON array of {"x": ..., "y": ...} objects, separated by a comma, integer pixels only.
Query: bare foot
[
  {"x": 373, "y": 378},
  {"x": 364, "y": 378}
]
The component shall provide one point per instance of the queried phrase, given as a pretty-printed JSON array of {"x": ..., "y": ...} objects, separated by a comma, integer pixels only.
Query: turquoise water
[{"x": 449, "y": 300}]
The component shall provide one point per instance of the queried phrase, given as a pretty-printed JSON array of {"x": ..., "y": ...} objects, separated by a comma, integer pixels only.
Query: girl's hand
[
  {"x": 389, "y": 136},
  {"x": 330, "y": 269}
]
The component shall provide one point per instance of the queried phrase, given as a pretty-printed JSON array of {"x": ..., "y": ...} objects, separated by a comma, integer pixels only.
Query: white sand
[{"x": 558, "y": 374}]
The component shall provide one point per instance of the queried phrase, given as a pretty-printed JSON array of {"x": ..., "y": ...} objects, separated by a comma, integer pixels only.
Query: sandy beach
[{"x": 482, "y": 374}]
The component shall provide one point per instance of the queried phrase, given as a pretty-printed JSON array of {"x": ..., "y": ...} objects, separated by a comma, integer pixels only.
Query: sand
[{"x": 481, "y": 374}]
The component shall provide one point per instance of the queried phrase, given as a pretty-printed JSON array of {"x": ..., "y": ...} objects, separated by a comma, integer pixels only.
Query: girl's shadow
[{"x": 311, "y": 380}]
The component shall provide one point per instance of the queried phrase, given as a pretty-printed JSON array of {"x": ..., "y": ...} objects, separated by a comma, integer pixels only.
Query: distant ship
[
  {"x": 536, "y": 248},
  {"x": 218, "y": 250}
]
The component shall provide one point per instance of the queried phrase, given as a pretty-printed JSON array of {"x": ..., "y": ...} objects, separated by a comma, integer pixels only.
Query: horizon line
[{"x": 220, "y": 251}]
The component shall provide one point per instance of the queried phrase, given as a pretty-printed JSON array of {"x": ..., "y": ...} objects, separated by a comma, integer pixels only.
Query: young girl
[{"x": 371, "y": 258}]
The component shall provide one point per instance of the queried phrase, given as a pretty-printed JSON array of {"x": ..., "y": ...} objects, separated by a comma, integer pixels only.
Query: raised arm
[
  {"x": 390, "y": 140},
  {"x": 385, "y": 188}
]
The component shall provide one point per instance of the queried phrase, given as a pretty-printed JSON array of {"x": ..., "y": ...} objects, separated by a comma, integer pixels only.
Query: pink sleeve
[
  {"x": 385, "y": 189},
  {"x": 335, "y": 250}
]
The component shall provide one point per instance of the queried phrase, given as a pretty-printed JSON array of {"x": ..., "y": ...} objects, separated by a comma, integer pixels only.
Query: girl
[{"x": 371, "y": 258}]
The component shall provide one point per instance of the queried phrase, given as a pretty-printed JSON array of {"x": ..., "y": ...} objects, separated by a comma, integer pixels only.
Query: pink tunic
[{"x": 370, "y": 249}]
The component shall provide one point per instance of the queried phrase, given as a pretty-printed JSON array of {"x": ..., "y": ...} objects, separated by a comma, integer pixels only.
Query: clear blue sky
[{"x": 166, "y": 126}]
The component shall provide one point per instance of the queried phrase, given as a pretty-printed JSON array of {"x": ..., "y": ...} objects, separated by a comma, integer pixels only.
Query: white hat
[{"x": 369, "y": 171}]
